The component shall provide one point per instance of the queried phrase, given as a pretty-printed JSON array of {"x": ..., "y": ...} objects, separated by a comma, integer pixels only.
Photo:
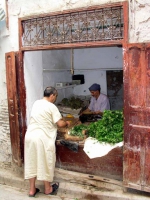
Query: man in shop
[
  {"x": 40, "y": 142},
  {"x": 99, "y": 102}
]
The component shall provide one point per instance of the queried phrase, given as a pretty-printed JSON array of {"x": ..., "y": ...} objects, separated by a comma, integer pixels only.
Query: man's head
[
  {"x": 51, "y": 93},
  {"x": 95, "y": 90}
]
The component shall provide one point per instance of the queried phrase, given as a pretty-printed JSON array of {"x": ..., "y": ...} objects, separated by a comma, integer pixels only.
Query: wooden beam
[
  {"x": 126, "y": 22},
  {"x": 75, "y": 45}
]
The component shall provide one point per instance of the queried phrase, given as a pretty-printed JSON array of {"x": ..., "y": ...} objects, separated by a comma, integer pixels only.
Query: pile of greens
[
  {"x": 77, "y": 130},
  {"x": 109, "y": 129},
  {"x": 72, "y": 102}
]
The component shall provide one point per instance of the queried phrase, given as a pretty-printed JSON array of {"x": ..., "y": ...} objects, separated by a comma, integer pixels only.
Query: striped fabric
[{"x": 2, "y": 14}]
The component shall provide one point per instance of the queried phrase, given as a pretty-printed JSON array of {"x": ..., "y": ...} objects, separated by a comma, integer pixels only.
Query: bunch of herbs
[
  {"x": 109, "y": 129},
  {"x": 77, "y": 130}
]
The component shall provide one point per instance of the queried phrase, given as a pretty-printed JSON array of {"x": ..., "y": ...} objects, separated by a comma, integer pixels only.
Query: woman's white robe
[{"x": 40, "y": 139}]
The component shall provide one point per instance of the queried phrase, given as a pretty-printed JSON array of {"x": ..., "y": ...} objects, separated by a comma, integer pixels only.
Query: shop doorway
[
  {"x": 136, "y": 58},
  {"x": 50, "y": 67}
]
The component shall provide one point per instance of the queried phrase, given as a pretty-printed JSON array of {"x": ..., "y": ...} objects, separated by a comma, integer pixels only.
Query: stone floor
[{"x": 13, "y": 185}]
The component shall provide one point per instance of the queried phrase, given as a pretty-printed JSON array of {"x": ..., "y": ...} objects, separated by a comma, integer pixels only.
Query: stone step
[{"x": 73, "y": 188}]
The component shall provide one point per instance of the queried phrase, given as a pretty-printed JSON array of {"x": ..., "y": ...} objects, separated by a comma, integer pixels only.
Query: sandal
[
  {"x": 55, "y": 187},
  {"x": 36, "y": 191}
]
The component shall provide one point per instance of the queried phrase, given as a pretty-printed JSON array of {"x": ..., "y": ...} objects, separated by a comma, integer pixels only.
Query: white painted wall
[
  {"x": 95, "y": 58},
  {"x": 56, "y": 59},
  {"x": 33, "y": 71},
  {"x": 99, "y": 60},
  {"x": 139, "y": 14},
  {"x": 139, "y": 26},
  {"x": 139, "y": 21},
  {"x": 56, "y": 66},
  {"x": 91, "y": 62}
]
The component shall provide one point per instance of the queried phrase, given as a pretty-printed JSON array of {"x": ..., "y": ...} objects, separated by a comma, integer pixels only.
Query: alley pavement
[
  {"x": 12, "y": 193},
  {"x": 14, "y": 187}
]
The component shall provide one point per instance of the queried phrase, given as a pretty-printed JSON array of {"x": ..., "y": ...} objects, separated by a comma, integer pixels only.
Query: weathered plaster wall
[
  {"x": 139, "y": 21},
  {"x": 139, "y": 25},
  {"x": 139, "y": 12},
  {"x": 33, "y": 72},
  {"x": 97, "y": 59},
  {"x": 5, "y": 150},
  {"x": 57, "y": 59},
  {"x": 33, "y": 7}
]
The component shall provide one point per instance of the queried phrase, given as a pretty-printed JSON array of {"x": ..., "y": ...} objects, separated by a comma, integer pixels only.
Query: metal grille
[{"x": 84, "y": 26}]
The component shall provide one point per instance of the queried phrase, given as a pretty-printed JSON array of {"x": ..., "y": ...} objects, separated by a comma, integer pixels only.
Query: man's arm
[
  {"x": 86, "y": 111},
  {"x": 62, "y": 123},
  {"x": 97, "y": 112}
]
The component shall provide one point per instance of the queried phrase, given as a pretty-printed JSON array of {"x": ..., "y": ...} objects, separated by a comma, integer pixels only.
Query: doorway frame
[
  {"x": 119, "y": 43},
  {"x": 109, "y": 43}
]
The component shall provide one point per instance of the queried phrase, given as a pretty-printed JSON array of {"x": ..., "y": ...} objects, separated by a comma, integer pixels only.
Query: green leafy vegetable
[
  {"x": 109, "y": 129},
  {"x": 72, "y": 102},
  {"x": 77, "y": 130}
]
